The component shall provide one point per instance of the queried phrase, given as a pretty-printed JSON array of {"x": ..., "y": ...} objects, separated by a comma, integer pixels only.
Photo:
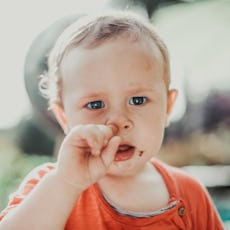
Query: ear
[
  {"x": 172, "y": 96},
  {"x": 59, "y": 113}
]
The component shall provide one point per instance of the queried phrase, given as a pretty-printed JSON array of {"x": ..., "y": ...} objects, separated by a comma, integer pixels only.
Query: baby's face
[{"x": 121, "y": 83}]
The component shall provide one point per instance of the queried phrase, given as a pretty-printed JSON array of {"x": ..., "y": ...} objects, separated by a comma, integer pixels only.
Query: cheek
[
  {"x": 154, "y": 119},
  {"x": 152, "y": 133}
]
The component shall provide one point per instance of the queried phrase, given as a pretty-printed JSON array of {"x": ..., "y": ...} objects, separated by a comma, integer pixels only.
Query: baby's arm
[{"x": 84, "y": 158}]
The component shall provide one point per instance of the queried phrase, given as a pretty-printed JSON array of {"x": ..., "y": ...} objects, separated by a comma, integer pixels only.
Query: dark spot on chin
[{"x": 141, "y": 153}]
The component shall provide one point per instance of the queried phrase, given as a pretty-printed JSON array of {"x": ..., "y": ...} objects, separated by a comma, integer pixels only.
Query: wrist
[{"x": 67, "y": 182}]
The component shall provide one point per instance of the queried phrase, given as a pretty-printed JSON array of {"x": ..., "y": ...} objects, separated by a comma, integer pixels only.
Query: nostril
[{"x": 126, "y": 126}]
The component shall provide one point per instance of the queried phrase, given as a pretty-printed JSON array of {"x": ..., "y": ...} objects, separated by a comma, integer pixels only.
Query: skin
[
  {"x": 113, "y": 74},
  {"x": 111, "y": 77}
]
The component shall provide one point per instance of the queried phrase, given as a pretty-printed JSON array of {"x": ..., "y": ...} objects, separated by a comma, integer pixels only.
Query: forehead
[
  {"x": 113, "y": 50},
  {"x": 115, "y": 66}
]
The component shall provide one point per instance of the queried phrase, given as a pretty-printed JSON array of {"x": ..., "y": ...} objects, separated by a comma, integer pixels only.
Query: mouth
[{"x": 124, "y": 152}]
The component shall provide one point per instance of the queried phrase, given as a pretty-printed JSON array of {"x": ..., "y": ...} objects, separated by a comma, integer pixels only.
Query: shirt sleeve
[{"x": 27, "y": 185}]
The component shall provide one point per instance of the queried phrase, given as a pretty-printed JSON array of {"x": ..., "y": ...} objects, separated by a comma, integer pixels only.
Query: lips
[
  {"x": 124, "y": 148},
  {"x": 124, "y": 152}
]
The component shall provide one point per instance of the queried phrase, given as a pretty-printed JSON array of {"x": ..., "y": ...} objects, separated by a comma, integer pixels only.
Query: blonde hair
[{"x": 90, "y": 32}]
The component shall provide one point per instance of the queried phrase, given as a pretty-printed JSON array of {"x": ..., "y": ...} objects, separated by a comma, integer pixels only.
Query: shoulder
[
  {"x": 27, "y": 185},
  {"x": 40, "y": 171},
  {"x": 177, "y": 177},
  {"x": 184, "y": 186},
  {"x": 193, "y": 195},
  {"x": 32, "y": 179}
]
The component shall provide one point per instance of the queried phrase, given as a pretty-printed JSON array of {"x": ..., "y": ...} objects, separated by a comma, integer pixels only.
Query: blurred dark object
[
  {"x": 33, "y": 139},
  {"x": 147, "y": 7},
  {"x": 36, "y": 64},
  {"x": 217, "y": 111},
  {"x": 202, "y": 135},
  {"x": 205, "y": 116},
  {"x": 38, "y": 133}
]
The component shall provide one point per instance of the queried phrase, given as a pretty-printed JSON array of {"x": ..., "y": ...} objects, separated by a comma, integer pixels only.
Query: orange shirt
[{"x": 194, "y": 209}]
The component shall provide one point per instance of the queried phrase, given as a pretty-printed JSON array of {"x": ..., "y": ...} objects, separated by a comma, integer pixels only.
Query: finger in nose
[{"x": 114, "y": 128}]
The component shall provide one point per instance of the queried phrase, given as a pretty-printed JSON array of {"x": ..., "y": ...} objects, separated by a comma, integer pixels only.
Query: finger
[
  {"x": 114, "y": 128},
  {"x": 109, "y": 152},
  {"x": 87, "y": 137},
  {"x": 92, "y": 137},
  {"x": 95, "y": 139},
  {"x": 102, "y": 137},
  {"x": 108, "y": 132},
  {"x": 95, "y": 144}
]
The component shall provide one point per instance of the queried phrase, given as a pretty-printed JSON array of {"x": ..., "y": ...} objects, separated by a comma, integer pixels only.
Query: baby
[{"x": 108, "y": 85}]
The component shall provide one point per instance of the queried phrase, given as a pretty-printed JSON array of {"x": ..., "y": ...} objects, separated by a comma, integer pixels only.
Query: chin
[{"x": 124, "y": 169}]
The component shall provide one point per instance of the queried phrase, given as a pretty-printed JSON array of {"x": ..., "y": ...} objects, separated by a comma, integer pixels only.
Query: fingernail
[{"x": 114, "y": 128}]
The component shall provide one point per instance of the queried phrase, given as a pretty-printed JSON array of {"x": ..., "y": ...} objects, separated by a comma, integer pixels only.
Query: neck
[
  {"x": 115, "y": 186},
  {"x": 126, "y": 192}
]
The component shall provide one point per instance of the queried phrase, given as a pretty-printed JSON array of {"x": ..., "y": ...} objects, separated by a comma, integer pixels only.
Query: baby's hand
[{"x": 86, "y": 154}]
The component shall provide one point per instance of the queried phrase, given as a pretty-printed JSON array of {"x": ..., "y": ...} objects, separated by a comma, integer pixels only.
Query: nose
[{"x": 121, "y": 120}]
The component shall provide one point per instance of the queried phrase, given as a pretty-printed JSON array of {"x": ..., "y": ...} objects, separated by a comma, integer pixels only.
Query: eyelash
[{"x": 99, "y": 104}]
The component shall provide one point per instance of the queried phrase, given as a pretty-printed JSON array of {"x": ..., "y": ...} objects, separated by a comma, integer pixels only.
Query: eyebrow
[
  {"x": 141, "y": 89},
  {"x": 89, "y": 96},
  {"x": 131, "y": 90}
]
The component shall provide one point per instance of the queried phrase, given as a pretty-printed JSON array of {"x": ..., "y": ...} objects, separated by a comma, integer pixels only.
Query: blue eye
[
  {"x": 95, "y": 105},
  {"x": 137, "y": 100}
]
